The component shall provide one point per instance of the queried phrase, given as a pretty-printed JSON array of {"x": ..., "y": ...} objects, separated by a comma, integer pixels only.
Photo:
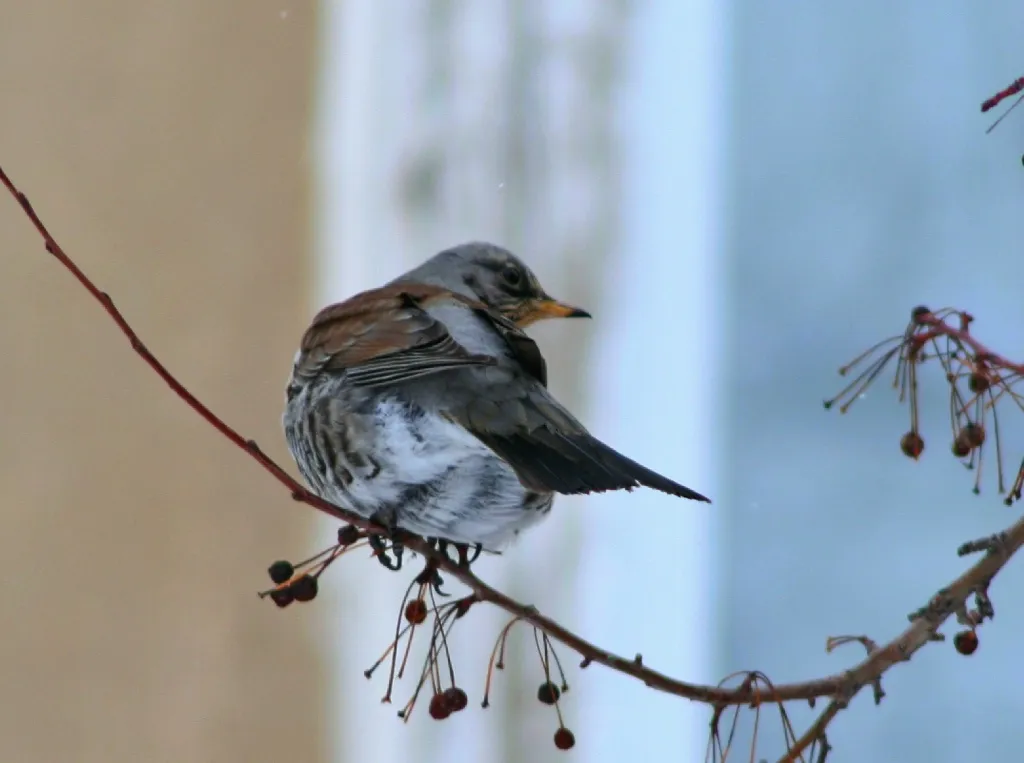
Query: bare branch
[{"x": 989, "y": 374}]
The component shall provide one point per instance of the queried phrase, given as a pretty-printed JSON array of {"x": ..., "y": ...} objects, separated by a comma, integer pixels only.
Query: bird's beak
[{"x": 546, "y": 307}]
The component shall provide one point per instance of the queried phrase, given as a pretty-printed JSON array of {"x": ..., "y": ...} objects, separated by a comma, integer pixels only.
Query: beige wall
[{"x": 166, "y": 146}]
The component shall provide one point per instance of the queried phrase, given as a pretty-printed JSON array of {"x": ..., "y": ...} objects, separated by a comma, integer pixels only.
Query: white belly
[{"x": 438, "y": 480}]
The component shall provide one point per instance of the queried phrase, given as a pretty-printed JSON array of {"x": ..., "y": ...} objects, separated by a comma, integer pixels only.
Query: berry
[
  {"x": 348, "y": 535},
  {"x": 966, "y": 642},
  {"x": 918, "y": 313},
  {"x": 548, "y": 693},
  {"x": 416, "y": 611},
  {"x": 564, "y": 739},
  {"x": 961, "y": 448},
  {"x": 439, "y": 707},
  {"x": 304, "y": 588},
  {"x": 974, "y": 434},
  {"x": 912, "y": 445},
  {"x": 456, "y": 699},
  {"x": 280, "y": 571},
  {"x": 282, "y": 597},
  {"x": 978, "y": 382}
]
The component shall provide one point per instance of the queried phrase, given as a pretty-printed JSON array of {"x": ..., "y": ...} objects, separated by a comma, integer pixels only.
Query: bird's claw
[
  {"x": 430, "y": 576},
  {"x": 462, "y": 550},
  {"x": 465, "y": 559},
  {"x": 390, "y": 556},
  {"x": 389, "y": 561}
]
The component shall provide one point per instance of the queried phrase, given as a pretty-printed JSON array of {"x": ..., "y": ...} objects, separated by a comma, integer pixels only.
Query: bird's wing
[
  {"x": 509, "y": 409},
  {"x": 547, "y": 447},
  {"x": 384, "y": 336}
]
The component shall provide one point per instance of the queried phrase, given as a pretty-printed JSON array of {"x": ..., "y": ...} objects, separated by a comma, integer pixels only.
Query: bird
[{"x": 423, "y": 406}]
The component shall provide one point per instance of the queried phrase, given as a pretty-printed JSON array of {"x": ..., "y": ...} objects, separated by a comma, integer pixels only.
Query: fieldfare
[{"x": 423, "y": 406}]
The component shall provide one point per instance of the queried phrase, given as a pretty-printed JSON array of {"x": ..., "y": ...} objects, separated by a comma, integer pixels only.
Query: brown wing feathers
[{"x": 383, "y": 337}]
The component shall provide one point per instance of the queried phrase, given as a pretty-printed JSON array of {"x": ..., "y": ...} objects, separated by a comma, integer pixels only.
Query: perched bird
[{"x": 423, "y": 406}]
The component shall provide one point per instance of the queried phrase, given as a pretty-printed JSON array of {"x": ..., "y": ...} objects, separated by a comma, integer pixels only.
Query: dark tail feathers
[{"x": 577, "y": 463}]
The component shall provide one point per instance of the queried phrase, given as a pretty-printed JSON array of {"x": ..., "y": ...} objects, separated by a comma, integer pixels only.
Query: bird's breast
[{"x": 384, "y": 455}]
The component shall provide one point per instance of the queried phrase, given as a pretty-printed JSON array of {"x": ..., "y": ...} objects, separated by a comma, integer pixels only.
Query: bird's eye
[{"x": 512, "y": 275}]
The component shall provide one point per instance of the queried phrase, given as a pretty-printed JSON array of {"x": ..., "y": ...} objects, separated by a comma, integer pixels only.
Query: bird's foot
[
  {"x": 390, "y": 557},
  {"x": 462, "y": 559},
  {"x": 389, "y": 549},
  {"x": 462, "y": 551},
  {"x": 430, "y": 576}
]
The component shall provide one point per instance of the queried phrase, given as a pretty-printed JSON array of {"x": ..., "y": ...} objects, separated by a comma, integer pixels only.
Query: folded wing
[
  {"x": 549, "y": 449},
  {"x": 382, "y": 337}
]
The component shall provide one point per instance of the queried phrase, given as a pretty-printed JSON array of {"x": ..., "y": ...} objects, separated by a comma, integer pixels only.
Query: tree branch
[{"x": 840, "y": 687}]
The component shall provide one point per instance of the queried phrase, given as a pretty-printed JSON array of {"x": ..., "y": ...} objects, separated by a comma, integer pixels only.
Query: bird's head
[{"x": 497, "y": 278}]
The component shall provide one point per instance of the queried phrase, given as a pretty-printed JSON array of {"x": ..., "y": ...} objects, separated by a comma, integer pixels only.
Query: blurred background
[{"x": 745, "y": 195}]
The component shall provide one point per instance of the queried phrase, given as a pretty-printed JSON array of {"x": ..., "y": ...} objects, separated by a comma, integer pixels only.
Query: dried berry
[
  {"x": 974, "y": 434},
  {"x": 304, "y": 588},
  {"x": 961, "y": 448},
  {"x": 456, "y": 699},
  {"x": 416, "y": 611},
  {"x": 348, "y": 535},
  {"x": 564, "y": 739},
  {"x": 280, "y": 571},
  {"x": 978, "y": 382},
  {"x": 282, "y": 597},
  {"x": 439, "y": 707},
  {"x": 966, "y": 642},
  {"x": 548, "y": 693},
  {"x": 912, "y": 445},
  {"x": 918, "y": 313}
]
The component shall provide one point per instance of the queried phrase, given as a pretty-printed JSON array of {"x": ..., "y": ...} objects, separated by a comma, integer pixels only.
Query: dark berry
[
  {"x": 966, "y": 642},
  {"x": 416, "y": 611},
  {"x": 348, "y": 535},
  {"x": 919, "y": 312},
  {"x": 280, "y": 571},
  {"x": 456, "y": 699},
  {"x": 304, "y": 588},
  {"x": 912, "y": 445},
  {"x": 282, "y": 597},
  {"x": 961, "y": 449},
  {"x": 978, "y": 382},
  {"x": 548, "y": 693},
  {"x": 974, "y": 434},
  {"x": 564, "y": 739},
  {"x": 439, "y": 707}
]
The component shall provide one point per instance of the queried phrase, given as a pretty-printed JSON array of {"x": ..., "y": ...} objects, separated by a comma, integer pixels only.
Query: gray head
[{"x": 497, "y": 278}]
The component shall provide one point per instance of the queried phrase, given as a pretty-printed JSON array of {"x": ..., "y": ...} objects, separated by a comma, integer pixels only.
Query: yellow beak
[{"x": 543, "y": 309}]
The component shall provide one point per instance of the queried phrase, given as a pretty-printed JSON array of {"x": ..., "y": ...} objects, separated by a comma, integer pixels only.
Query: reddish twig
[
  {"x": 978, "y": 380},
  {"x": 841, "y": 687},
  {"x": 961, "y": 333},
  {"x": 1015, "y": 87}
]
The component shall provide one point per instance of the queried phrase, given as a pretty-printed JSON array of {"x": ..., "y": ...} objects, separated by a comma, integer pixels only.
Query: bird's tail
[{"x": 577, "y": 462}]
